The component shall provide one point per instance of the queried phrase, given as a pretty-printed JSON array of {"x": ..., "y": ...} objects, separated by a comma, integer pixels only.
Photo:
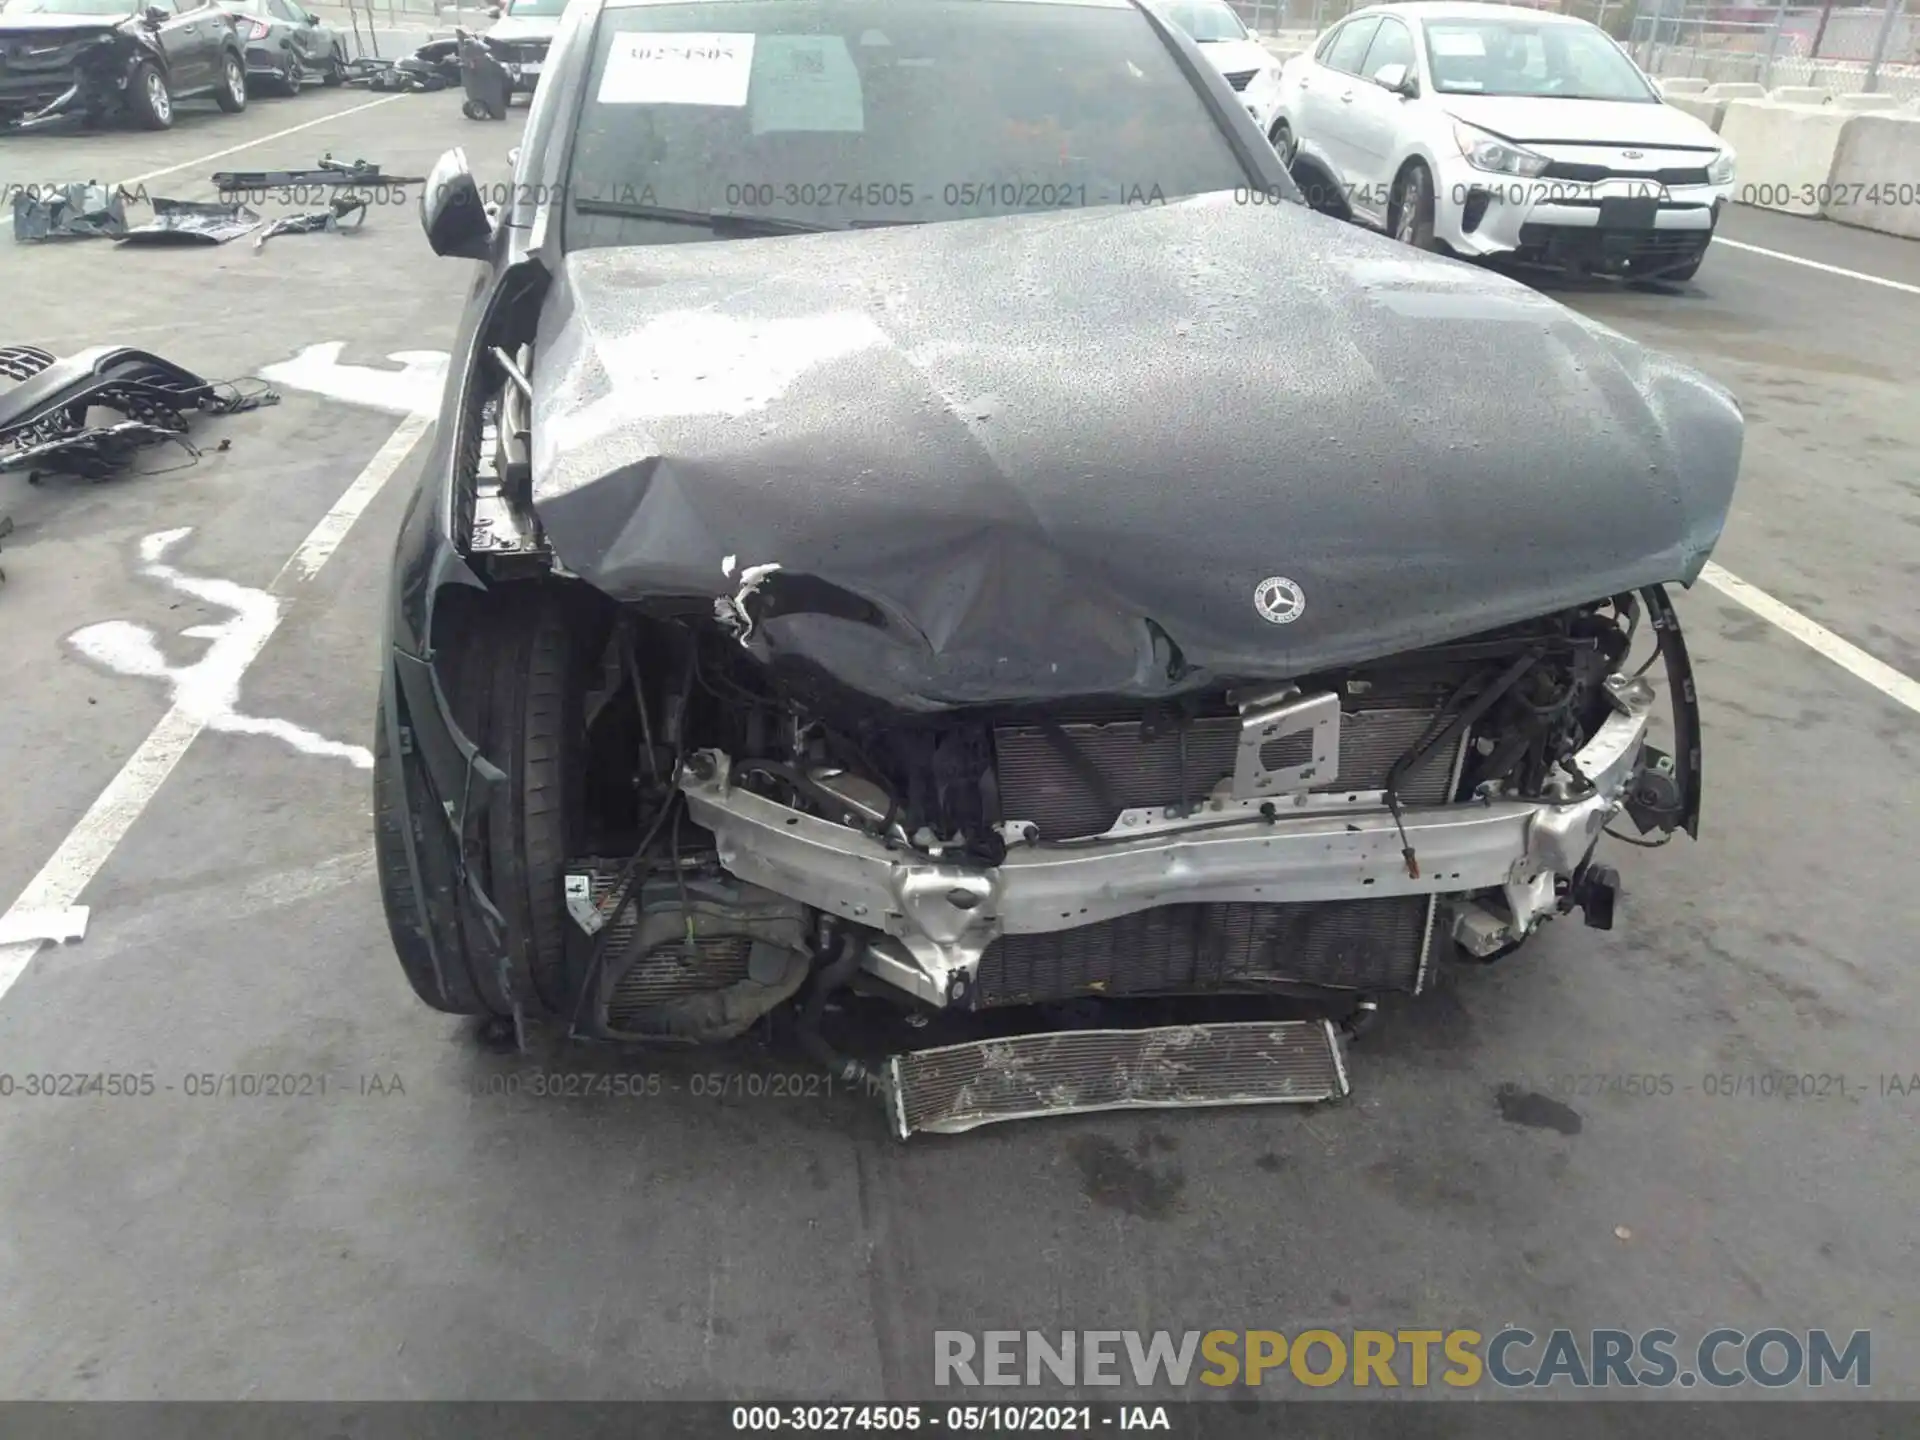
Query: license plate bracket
[{"x": 1628, "y": 212}]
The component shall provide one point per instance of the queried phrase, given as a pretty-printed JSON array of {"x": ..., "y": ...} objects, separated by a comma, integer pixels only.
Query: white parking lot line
[
  {"x": 244, "y": 145},
  {"x": 107, "y": 821},
  {"x": 1884, "y": 678},
  {"x": 1900, "y": 285}
]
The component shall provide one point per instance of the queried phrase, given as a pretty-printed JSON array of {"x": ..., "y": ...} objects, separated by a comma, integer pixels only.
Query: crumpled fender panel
[{"x": 1028, "y": 458}]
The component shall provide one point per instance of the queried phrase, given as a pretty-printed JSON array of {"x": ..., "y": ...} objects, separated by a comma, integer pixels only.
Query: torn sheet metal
[
  {"x": 343, "y": 212},
  {"x": 82, "y": 211},
  {"x": 23, "y": 927},
  {"x": 192, "y": 222}
]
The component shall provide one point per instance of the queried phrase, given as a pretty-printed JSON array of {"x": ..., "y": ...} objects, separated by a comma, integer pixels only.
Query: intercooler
[
  {"x": 1047, "y": 774},
  {"x": 958, "y": 1087},
  {"x": 1074, "y": 779},
  {"x": 1179, "y": 949}
]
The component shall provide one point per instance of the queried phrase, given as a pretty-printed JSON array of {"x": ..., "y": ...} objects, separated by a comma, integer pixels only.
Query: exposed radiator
[
  {"x": 1044, "y": 783},
  {"x": 1373, "y": 945}
]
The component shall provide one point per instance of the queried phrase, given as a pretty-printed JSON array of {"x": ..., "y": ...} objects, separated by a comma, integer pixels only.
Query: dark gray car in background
[
  {"x": 925, "y": 526},
  {"x": 287, "y": 45},
  {"x": 99, "y": 60}
]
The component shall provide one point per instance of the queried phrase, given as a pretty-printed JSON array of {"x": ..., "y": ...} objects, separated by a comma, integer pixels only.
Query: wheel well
[
  {"x": 1322, "y": 192},
  {"x": 1407, "y": 166}
]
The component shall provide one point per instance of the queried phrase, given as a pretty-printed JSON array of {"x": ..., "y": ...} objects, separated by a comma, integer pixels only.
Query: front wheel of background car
[
  {"x": 149, "y": 98},
  {"x": 1283, "y": 142},
  {"x": 1412, "y": 208},
  {"x": 231, "y": 96}
]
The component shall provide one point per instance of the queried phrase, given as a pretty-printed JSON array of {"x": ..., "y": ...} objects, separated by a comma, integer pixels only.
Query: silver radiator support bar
[{"x": 939, "y": 917}]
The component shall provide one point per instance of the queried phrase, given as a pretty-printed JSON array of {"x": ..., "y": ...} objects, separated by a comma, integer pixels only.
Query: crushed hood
[{"x": 1044, "y": 456}]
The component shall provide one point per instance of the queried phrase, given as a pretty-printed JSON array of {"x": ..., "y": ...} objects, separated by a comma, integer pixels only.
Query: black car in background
[
  {"x": 287, "y": 45},
  {"x": 97, "y": 60},
  {"x": 923, "y": 517}
]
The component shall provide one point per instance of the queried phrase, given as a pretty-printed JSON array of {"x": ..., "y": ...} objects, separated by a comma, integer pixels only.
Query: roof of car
[{"x": 1465, "y": 10}]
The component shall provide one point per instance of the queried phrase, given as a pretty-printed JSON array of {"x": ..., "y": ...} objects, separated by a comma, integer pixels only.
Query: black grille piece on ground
[
  {"x": 959, "y": 1087},
  {"x": 1345, "y": 945},
  {"x": 1141, "y": 767}
]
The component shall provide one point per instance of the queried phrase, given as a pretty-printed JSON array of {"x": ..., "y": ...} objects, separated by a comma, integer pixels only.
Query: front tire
[
  {"x": 1411, "y": 208},
  {"x": 336, "y": 72},
  {"x": 510, "y": 680},
  {"x": 231, "y": 94},
  {"x": 149, "y": 98},
  {"x": 1281, "y": 138}
]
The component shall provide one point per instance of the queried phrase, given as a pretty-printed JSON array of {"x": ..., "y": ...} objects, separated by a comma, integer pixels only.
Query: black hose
[{"x": 840, "y": 962}]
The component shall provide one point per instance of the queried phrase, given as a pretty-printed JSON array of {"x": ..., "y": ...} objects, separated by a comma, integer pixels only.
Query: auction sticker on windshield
[
  {"x": 806, "y": 82},
  {"x": 691, "y": 69}
]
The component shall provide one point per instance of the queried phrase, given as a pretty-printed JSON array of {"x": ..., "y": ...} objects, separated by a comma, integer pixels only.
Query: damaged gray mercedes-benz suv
[{"x": 907, "y": 530}]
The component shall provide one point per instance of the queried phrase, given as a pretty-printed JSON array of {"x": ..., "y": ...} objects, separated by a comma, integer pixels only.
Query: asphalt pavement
[{"x": 406, "y": 1234}]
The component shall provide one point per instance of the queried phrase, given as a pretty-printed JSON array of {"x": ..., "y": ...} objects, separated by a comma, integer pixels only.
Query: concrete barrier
[
  {"x": 1682, "y": 85},
  {"x": 1785, "y": 152},
  {"x": 1711, "y": 104},
  {"x": 1875, "y": 180},
  {"x": 1867, "y": 102},
  {"x": 1797, "y": 95}
]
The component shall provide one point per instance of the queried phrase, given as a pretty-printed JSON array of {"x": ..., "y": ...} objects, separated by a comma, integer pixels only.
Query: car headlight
[
  {"x": 1266, "y": 79},
  {"x": 1720, "y": 172},
  {"x": 1484, "y": 152}
]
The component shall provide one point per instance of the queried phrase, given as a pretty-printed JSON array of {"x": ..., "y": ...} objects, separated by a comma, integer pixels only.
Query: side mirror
[
  {"x": 1396, "y": 78},
  {"x": 451, "y": 211},
  {"x": 313, "y": 19},
  {"x": 153, "y": 15}
]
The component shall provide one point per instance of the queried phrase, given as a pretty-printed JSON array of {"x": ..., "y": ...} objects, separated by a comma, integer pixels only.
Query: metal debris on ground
[
  {"x": 44, "y": 414},
  {"x": 6, "y": 529},
  {"x": 333, "y": 218},
  {"x": 84, "y": 210},
  {"x": 192, "y": 222},
  {"x": 434, "y": 66},
  {"x": 328, "y": 172}
]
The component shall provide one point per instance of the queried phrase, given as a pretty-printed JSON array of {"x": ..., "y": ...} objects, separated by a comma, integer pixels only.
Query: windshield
[
  {"x": 113, "y": 8},
  {"x": 1207, "y": 20},
  {"x": 1518, "y": 57},
  {"x": 875, "y": 112},
  {"x": 535, "y": 9}
]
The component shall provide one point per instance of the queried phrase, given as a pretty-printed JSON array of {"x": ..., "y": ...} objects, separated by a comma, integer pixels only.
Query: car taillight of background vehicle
[{"x": 252, "y": 29}]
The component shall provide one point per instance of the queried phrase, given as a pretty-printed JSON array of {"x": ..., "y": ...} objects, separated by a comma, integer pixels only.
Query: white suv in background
[
  {"x": 1495, "y": 130},
  {"x": 1236, "y": 52}
]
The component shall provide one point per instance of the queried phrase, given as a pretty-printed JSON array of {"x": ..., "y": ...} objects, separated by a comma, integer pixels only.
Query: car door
[
  {"x": 196, "y": 65},
  {"x": 291, "y": 29},
  {"x": 1340, "y": 84},
  {"x": 182, "y": 41},
  {"x": 1376, "y": 116}
]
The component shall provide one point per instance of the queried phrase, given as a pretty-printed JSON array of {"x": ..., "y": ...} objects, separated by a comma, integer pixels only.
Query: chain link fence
[{"x": 1841, "y": 49}]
